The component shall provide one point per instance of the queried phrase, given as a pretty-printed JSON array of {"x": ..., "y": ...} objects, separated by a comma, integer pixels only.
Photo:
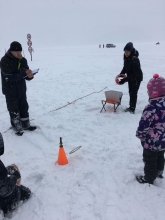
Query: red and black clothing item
[
  {"x": 14, "y": 88},
  {"x": 134, "y": 76}
]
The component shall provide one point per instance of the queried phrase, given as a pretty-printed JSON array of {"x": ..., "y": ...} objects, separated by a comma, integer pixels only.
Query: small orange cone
[{"x": 62, "y": 159}]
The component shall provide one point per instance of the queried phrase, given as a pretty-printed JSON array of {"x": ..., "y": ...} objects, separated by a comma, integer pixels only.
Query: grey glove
[
  {"x": 17, "y": 174},
  {"x": 13, "y": 171},
  {"x": 10, "y": 170}
]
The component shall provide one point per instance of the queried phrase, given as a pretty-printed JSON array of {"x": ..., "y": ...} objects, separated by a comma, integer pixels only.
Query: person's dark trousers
[
  {"x": 133, "y": 91},
  {"x": 11, "y": 202},
  {"x": 25, "y": 193},
  {"x": 154, "y": 163},
  {"x": 18, "y": 108}
]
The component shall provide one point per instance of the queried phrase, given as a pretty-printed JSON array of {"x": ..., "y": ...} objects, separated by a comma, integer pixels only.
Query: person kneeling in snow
[
  {"x": 10, "y": 190},
  {"x": 151, "y": 131}
]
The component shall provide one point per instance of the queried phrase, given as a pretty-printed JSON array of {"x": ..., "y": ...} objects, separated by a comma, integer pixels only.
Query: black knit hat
[
  {"x": 1, "y": 145},
  {"x": 15, "y": 46},
  {"x": 128, "y": 46}
]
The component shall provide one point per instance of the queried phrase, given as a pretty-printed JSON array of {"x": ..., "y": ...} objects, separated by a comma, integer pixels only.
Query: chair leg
[
  {"x": 103, "y": 103},
  {"x": 115, "y": 108}
]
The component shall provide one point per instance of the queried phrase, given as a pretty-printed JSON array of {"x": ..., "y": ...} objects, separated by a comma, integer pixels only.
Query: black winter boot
[
  {"x": 26, "y": 125},
  {"x": 17, "y": 125},
  {"x": 19, "y": 133},
  {"x": 160, "y": 174},
  {"x": 127, "y": 109},
  {"x": 141, "y": 179},
  {"x": 32, "y": 128},
  {"x": 132, "y": 110}
]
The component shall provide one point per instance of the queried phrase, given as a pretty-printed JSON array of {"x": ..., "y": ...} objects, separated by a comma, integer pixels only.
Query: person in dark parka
[
  {"x": 14, "y": 72},
  {"x": 10, "y": 192},
  {"x": 132, "y": 74}
]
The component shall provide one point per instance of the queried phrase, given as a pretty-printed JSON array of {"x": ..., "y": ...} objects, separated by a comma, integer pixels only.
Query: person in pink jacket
[{"x": 151, "y": 131}]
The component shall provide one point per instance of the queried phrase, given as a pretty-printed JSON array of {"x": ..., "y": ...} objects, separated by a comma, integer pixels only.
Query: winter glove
[
  {"x": 17, "y": 174},
  {"x": 122, "y": 81},
  {"x": 117, "y": 79},
  {"x": 13, "y": 170}
]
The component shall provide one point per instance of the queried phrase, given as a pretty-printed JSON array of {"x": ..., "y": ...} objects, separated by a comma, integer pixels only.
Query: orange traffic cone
[{"x": 62, "y": 159}]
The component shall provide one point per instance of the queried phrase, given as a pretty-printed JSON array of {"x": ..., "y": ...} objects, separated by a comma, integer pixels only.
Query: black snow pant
[
  {"x": 154, "y": 164},
  {"x": 21, "y": 193},
  {"x": 18, "y": 108},
  {"x": 133, "y": 90}
]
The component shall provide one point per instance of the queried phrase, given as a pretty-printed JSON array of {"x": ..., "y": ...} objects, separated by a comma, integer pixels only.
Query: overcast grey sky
[{"x": 79, "y": 22}]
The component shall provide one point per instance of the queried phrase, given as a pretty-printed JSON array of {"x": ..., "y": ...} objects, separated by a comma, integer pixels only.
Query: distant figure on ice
[
  {"x": 151, "y": 131},
  {"x": 99, "y": 45},
  {"x": 14, "y": 71},
  {"x": 132, "y": 74},
  {"x": 157, "y": 43},
  {"x": 103, "y": 45},
  {"x": 10, "y": 190}
]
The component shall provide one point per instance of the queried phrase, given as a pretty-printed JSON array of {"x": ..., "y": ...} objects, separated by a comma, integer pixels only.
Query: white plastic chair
[{"x": 112, "y": 97}]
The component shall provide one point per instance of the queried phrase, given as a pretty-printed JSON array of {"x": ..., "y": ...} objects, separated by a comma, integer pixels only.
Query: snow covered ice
[{"x": 99, "y": 181}]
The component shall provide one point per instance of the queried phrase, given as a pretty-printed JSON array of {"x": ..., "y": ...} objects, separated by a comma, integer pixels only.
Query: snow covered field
[{"x": 99, "y": 181}]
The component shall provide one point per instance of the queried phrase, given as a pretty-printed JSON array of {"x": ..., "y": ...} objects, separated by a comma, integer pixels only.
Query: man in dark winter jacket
[
  {"x": 14, "y": 72},
  {"x": 10, "y": 192},
  {"x": 132, "y": 74}
]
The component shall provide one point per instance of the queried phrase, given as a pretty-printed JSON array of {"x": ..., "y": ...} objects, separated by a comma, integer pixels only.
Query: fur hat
[
  {"x": 128, "y": 46},
  {"x": 156, "y": 86},
  {"x": 1, "y": 145},
  {"x": 15, "y": 46}
]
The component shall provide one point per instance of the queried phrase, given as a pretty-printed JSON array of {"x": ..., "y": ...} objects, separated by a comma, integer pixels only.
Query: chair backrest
[{"x": 113, "y": 95}]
